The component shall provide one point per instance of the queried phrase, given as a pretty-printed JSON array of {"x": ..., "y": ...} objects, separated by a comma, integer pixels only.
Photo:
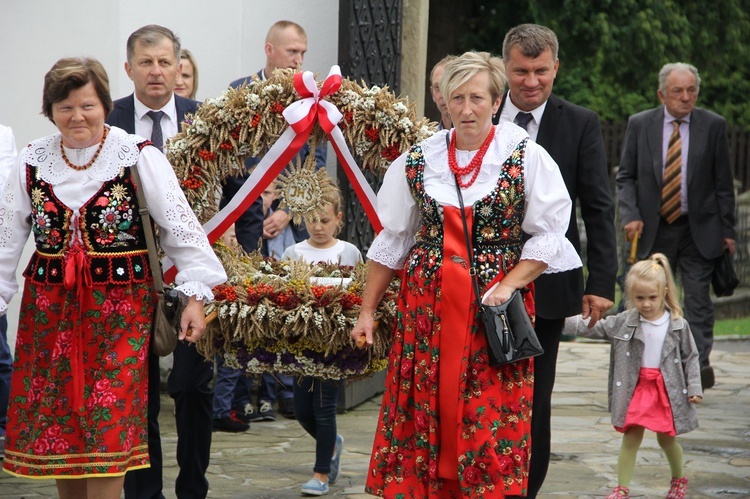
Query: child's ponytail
[{"x": 656, "y": 269}]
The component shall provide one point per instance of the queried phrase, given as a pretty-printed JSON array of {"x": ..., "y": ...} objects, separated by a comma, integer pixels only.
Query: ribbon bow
[{"x": 302, "y": 114}]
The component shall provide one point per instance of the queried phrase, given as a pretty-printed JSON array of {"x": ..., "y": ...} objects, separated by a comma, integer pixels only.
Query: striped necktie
[{"x": 671, "y": 191}]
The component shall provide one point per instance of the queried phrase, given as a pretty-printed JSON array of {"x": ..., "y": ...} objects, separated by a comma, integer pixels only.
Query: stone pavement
[{"x": 273, "y": 459}]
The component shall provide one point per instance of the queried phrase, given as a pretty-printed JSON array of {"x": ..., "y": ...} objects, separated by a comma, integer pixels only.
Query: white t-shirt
[{"x": 342, "y": 253}]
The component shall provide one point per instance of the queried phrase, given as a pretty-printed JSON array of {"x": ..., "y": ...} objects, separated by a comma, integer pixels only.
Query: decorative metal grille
[{"x": 369, "y": 51}]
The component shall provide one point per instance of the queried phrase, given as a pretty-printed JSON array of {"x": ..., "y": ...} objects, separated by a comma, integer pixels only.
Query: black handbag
[
  {"x": 510, "y": 334},
  {"x": 724, "y": 279},
  {"x": 168, "y": 309}
]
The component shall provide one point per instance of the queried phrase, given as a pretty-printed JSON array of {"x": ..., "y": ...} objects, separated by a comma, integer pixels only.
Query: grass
[{"x": 732, "y": 326}]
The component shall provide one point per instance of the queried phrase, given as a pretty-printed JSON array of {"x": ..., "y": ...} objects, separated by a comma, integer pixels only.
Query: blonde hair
[
  {"x": 655, "y": 269},
  {"x": 464, "y": 67},
  {"x": 186, "y": 55},
  {"x": 332, "y": 195}
]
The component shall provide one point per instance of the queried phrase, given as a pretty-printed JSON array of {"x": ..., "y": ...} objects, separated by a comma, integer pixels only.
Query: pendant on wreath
[{"x": 302, "y": 190}]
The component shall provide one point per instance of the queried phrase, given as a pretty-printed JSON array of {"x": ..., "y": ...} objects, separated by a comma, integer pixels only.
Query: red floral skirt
[
  {"x": 442, "y": 397},
  {"x": 79, "y": 393}
]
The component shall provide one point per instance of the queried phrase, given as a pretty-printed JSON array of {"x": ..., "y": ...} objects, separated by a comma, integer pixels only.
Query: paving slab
[{"x": 273, "y": 459}]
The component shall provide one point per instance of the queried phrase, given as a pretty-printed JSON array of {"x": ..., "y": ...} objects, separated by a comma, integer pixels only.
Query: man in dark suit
[
  {"x": 153, "y": 63},
  {"x": 572, "y": 136},
  {"x": 695, "y": 221}
]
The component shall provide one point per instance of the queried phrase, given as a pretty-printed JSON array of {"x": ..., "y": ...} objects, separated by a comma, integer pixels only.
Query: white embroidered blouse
[
  {"x": 547, "y": 203},
  {"x": 181, "y": 235}
]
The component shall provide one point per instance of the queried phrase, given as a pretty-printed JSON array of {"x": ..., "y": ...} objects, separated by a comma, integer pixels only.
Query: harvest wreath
[{"x": 287, "y": 316}]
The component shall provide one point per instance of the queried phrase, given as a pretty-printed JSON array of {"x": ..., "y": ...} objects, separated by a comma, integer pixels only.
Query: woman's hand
[
  {"x": 500, "y": 295},
  {"x": 362, "y": 332},
  {"x": 193, "y": 321},
  {"x": 695, "y": 399}
]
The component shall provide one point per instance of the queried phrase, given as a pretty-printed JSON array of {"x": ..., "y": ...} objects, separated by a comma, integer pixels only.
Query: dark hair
[
  {"x": 72, "y": 73},
  {"x": 151, "y": 35},
  {"x": 531, "y": 39}
]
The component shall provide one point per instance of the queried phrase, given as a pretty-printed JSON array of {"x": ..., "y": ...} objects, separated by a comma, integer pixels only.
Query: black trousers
[
  {"x": 188, "y": 385},
  {"x": 549, "y": 332},
  {"x": 675, "y": 240}
]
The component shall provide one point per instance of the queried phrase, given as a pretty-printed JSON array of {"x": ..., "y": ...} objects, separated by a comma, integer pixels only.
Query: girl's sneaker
[
  {"x": 314, "y": 487},
  {"x": 619, "y": 492},
  {"x": 678, "y": 488}
]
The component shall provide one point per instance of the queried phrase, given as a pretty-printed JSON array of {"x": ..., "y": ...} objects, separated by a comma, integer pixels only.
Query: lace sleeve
[
  {"x": 547, "y": 214},
  {"x": 15, "y": 226},
  {"x": 181, "y": 235},
  {"x": 390, "y": 249}
]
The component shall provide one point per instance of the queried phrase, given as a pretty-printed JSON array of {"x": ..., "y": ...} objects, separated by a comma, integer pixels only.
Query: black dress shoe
[{"x": 707, "y": 377}]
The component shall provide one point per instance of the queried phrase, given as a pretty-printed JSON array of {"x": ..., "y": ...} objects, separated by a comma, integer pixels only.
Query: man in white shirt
[{"x": 154, "y": 111}]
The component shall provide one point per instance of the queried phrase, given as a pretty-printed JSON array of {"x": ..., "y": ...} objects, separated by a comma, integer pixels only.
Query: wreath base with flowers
[{"x": 278, "y": 316}]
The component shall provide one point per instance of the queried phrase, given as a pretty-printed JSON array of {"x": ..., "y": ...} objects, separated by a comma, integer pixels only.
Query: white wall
[{"x": 226, "y": 37}]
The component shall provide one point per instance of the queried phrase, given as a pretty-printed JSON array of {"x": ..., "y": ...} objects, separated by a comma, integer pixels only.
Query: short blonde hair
[{"x": 464, "y": 67}]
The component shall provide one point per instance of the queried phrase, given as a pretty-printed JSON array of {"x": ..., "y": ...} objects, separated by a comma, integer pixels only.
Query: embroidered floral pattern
[{"x": 494, "y": 418}]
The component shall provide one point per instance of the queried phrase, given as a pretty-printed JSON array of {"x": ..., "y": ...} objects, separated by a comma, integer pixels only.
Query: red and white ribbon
[{"x": 301, "y": 116}]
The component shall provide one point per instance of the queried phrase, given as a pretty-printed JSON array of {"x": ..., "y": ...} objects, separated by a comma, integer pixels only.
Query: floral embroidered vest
[
  {"x": 497, "y": 238},
  {"x": 110, "y": 230}
]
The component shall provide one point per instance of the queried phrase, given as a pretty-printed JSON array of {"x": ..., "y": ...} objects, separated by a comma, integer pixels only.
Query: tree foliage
[{"x": 611, "y": 50}]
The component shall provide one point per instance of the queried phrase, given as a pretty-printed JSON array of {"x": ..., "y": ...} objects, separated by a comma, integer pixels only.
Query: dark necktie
[
  {"x": 157, "y": 137},
  {"x": 671, "y": 190},
  {"x": 522, "y": 119}
]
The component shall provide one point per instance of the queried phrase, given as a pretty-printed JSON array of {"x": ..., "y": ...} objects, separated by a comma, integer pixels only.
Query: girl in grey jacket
[{"x": 654, "y": 375}]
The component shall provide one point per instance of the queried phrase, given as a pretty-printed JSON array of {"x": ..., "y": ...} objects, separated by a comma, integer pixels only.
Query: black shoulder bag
[{"x": 510, "y": 334}]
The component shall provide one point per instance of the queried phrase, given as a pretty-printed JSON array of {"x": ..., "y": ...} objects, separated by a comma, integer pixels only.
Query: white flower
[
  {"x": 405, "y": 124},
  {"x": 120, "y": 271},
  {"x": 200, "y": 126},
  {"x": 233, "y": 309},
  {"x": 400, "y": 107},
  {"x": 271, "y": 88},
  {"x": 362, "y": 146},
  {"x": 367, "y": 104},
  {"x": 244, "y": 310},
  {"x": 253, "y": 101}
]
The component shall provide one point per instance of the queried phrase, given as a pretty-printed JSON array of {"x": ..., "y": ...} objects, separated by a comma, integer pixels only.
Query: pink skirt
[{"x": 650, "y": 406}]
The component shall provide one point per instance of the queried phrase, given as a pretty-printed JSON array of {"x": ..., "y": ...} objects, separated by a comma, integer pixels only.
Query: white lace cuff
[
  {"x": 390, "y": 249},
  {"x": 554, "y": 249},
  {"x": 197, "y": 289}
]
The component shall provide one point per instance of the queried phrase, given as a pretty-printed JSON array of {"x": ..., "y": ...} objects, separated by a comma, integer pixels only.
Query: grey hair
[
  {"x": 531, "y": 39},
  {"x": 151, "y": 35},
  {"x": 461, "y": 69},
  {"x": 667, "y": 69}
]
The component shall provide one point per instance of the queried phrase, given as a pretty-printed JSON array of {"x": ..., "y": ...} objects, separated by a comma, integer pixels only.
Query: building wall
[{"x": 226, "y": 37}]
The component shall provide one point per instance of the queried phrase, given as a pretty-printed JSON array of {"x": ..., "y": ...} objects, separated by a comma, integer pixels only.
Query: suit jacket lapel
[
  {"x": 698, "y": 138},
  {"x": 654, "y": 134},
  {"x": 127, "y": 107},
  {"x": 546, "y": 135}
]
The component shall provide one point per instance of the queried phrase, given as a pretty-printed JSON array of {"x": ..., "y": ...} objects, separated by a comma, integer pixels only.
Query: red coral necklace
[
  {"x": 93, "y": 159},
  {"x": 474, "y": 165}
]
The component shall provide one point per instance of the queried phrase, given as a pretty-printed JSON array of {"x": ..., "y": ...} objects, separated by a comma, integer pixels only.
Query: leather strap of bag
[{"x": 148, "y": 230}]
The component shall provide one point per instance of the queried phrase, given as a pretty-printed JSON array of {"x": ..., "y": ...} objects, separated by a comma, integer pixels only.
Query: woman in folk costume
[
  {"x": 79, "y": 389},
  {"x": 451, "y": 425}
]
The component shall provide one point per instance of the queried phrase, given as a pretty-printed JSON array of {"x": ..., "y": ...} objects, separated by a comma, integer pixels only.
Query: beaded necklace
[
  {"x": 93, "y": 159},
  {"x": 474, "y": 165}
]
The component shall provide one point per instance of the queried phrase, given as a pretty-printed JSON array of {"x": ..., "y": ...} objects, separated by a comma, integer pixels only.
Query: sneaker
[
  {"x": 336, "y": 460},
  {"x": 252, "y": 415},
  {"x": 619, "y": 492},
  {"x": 230, "y": 424},
  {"x": 286, "y": 407},
  {"x": 266, "y": 411},
  {"x": 314, "y": 487},
  {"x": 239, "y": 415},
  {"x": 678, "y": 488},
  {"x": 707, "y": 377}
]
